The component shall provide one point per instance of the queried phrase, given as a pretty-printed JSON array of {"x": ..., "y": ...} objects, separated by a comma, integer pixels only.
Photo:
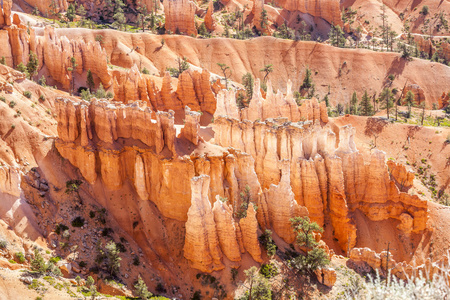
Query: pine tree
[
  {"x": 141, "y": 289},
  {"x": 81, "y": 11},
  {"x": 386, "y": 98},
  {"x": 89, "y": 281},
  {"x": 267, "y": 70},
  {"x": 142, "y": 20},
  {"x": 119, "y": 17},
  {"x": 54, "y": 10},
  {"x": 337, "y": 37},
  {"x": 112, "y": 253},
  {"x": 71, "y": 69},
  {"x": 307, "y": 81},
  {"x": 264, "y": 19},
  {"x": 365, "y": 106},
  {"x": 409, "y": 99},
  {"x": 248, "y": 81},
  {"x": 70, "y": 14},
  {"x": 226, "y": 71},
  {"x": 353, "y": 104},
  {"x": 90, "y": 81},
  {"x": 327, "y": 101},
  {"x": 32, "y": 65}
]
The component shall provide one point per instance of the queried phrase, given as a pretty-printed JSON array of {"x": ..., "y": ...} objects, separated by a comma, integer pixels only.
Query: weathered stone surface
[
  {"x": 326, "y": 276},
  {"x": 210, "y": 23},
  {"x": 180, "y": 16},
  {"x": 249, "y": 229},
  {"x": 5, "y": 13},
  {"x": 191, "y": 126},
  {"x": 277, "y": 105},
  {"x": 402, "y": 178},
  {"x": 226, "y": 230},
  {"x": 201, "y": 245},
  {"x": 54, "y": 52},
  {"x": 281, "y": 205},
  {"x": 328, "y": 10}
]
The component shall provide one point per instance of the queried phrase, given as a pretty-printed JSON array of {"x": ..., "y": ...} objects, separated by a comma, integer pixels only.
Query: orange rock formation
[
  {"x": 180, "y": 16},
  {"x": 328, "y": 10},
  {"x": 316, "y": 178}
]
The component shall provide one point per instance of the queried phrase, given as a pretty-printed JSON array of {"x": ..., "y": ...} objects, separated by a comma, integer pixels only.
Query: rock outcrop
[
  {"x": 193, "y": 90},
  {"x": 249, "y": 229},
  {"x": 5, "y": 13},
  {"x": 210, "y": 23},
  {"x": 326, "y": 276},
  {"x": 287, "y": 169},
  {"x": 180, "y": 16},
  {"x": 329, "y": 10},
  {"x": 201, "y": 245},
  {"x": 274, "y": 105},
  {"x": 54, "y": 53},
  {"x": 227, "y": 229}
]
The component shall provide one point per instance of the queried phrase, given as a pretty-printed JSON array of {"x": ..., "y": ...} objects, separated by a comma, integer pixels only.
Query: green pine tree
[
  {"x": 365, "y": 106},
  {"x": 354, "y": 104}
]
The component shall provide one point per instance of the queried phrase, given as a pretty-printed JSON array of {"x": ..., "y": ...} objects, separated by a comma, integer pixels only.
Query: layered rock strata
[
  {"x": 54, "y": 52},
  {"x": 274, "y": 105},
  {"x": 180, "y": 16},
  {"x": 329, "y": 10},
  {"x": 193, "y": 90},
  {"x": 210, "y": 23},
  {"x": 201, "y": 245},
  {"x": 288, "y": 169}
]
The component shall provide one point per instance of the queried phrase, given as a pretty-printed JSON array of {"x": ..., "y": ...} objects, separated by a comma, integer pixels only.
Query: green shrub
[
  {"x": 37, "y": 263},
  {"x": 78, "y": 222},
  {"x": 425, "y": 10},
  {"x": 267, "y": 242},
  {"x": 55, "y": 259},
  {"x": 268, "y": 270},
  {"x": 42, "y": 81},
  {"x": 3, "y": 244},
  {"x": 145, "y": 71},
  {"x": 60, "y": 228},
  {"x": 42, "y": 98},
  {"x": 27, "y": 94},
  {"x": 141, "y": 290},
  {"x": 3, "y": 99},
  {"x": 12, "y": 104},
  {"x": 20, "y": 257}
]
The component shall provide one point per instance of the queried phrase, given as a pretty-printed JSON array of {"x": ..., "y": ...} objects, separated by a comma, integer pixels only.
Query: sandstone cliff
[
  {"x": 329, "y": 10},
  {"x": 316, "y": 179},
  {"x": 180, "y": 16},
  {"x": 193, "y": 90}
]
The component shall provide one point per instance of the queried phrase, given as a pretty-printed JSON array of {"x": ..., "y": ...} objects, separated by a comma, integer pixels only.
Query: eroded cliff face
[
  {"x": 54, "y": 52},
  {"x": 193, "y": 90},
  {"x": 180, "y": 16},
  {"x": 289, "y": 169},
  {"x": 329, "y": 10}
]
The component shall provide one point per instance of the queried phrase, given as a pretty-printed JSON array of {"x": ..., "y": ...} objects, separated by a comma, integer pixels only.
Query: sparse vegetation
[{"x": 27, "y": 94}]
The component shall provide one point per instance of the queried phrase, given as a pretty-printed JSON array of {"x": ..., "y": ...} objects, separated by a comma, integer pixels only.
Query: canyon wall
[{"x": 288, "y": 168}]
